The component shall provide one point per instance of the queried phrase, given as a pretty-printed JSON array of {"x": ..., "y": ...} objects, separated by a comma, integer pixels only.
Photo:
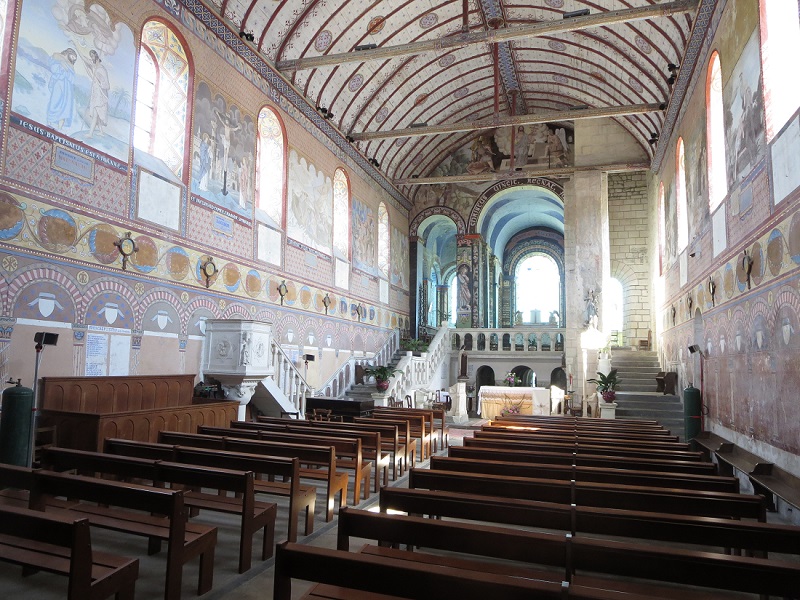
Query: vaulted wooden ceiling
[{"x": 420, "y": 71}]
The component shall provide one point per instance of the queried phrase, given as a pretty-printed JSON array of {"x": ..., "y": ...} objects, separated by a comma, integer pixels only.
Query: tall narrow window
[
  {"x": 163, "y": 83},
  {"x": 780, "y": 47},
  {"x": 662, "y": 228},
  {"x": 341, "y": 214},
  {"x": 681, "y": 204},
  {"x": 383, "y": 240},
  {"x": 715, "y": 135},
  {"x": 271, "y": 165}
]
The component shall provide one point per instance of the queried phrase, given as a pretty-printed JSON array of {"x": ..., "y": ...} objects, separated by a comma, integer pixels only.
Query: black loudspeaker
[
  {"x": 46, "y": 338},
  {"x": 309, "y": 358},
  {"x": 694, "y": 348}
]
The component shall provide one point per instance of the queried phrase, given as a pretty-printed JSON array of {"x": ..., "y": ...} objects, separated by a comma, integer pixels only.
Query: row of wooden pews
[{"x": 557, "y": 507}]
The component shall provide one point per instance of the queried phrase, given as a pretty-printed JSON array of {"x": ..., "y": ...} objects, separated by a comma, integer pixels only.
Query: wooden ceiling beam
[
  {"x": 524, "y": 173},
  {"x": 530, "y": 119},
  {"x": 491, "y": 36}
]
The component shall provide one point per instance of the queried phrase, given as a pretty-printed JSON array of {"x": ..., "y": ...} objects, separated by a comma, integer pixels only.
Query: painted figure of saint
[
  {"x": 97, "y": 112},
  {"x": 62, "y": 95},
  {"x": 521, "y": 147}
]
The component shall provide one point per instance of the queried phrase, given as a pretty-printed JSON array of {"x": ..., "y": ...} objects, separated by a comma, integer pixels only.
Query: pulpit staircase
[{"x": 637, "y": 397}]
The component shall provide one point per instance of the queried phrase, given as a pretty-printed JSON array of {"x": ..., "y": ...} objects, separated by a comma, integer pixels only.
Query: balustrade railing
[
  {"x": 345, "y": 376},
  {"x": 288, "y": 378},
  {"x": 417, "y": 371},
  {"x": 523, "y": 338}
]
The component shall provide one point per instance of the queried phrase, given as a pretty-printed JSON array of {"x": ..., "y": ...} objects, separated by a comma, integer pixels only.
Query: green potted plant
[
  {"x": 381, "y": 373},
  {"x": 606, "y": 385},
  {"x": 414, "y": 345}
]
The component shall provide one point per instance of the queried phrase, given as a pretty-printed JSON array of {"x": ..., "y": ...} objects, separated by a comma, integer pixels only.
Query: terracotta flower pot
[{"x": 382, "y": 384}]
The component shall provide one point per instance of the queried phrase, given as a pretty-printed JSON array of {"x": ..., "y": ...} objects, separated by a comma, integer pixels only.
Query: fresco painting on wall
[
  {"x": 744, "y": 113},
  {"x": 543, "y": 144},
  {"x": 310, "y": 205},
  {"x": 74, "y": 73},
  {"x": 364, "y": 240},
  {"x": 223, "y": 147},
  {"x": 399, "y": 263}
]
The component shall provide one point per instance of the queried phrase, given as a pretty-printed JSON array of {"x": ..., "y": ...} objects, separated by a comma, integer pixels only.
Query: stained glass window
[
  {"x": 715, "y": 130},
  {"x": 383, "y": 240},
  {"x": 271, "y": 165},
  {"x": 341, "y": 214},
  {"x": 163, "y": 84}
]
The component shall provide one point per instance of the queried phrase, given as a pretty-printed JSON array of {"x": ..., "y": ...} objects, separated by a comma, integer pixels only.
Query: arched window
[
  {"x": 162, "y": 96},
  {"x": 271, "y": 165},
  {"x": 662, "y": 228},
  {"x": 681, "y": 204},
  {"x": 715, "y": 135},
  {"x": 341, "y": 214},
  {"x": 614, "y": 302},
  {"x": 538, "y": 289},
  {"x": 383, "y": 240},
  {"x": 780, "y": 47},
  {"x": 452, "y": 296}
]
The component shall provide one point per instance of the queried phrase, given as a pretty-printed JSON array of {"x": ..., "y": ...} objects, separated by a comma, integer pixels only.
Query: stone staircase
[
  {"x": 636, "y": 394},
  {"x": 364, "y": 391}
]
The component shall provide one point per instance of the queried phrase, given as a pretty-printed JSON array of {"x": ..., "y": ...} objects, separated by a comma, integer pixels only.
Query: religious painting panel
[
  {"x": 309, "y": 218},
  {"x": 399, "y": 264},
  {"x": 744, "y": 114},
  {"x": 74, "y": 73},
  {"x": 223, "y": 151},
  {"x": 364, "y": 237}
]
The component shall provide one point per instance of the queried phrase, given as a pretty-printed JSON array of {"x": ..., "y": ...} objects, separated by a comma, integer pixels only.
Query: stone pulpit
[{"x": 237, "y": 354}]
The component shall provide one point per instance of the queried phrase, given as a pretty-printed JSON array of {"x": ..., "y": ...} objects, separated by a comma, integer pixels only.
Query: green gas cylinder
[
  {"x": 16, "y": 420},
  {"x": 692, "y": 404}
]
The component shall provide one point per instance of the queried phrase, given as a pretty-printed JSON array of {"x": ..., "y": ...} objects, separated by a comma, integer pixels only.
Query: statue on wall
[{"x": 592, "y": 309}]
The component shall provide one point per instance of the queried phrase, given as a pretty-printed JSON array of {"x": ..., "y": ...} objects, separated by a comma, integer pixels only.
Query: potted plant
[
  {"x": 606, "y": 385},
  {"x": 381, "y": 373},
  {"x": 414, "y": 345}
]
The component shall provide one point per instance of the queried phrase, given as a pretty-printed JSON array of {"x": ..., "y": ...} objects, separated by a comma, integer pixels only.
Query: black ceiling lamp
[
  {"x": 247, "y": 35},
  {"x": 653, "y": 138},
  {"x": 374, "y": 163},
  {"x": 673, "y": 69}
]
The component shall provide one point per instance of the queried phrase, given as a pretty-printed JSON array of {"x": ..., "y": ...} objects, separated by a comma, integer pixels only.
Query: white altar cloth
[{"x": 532, "y": 401}]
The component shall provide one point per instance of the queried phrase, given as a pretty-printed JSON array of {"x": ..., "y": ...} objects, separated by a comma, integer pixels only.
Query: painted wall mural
[
  {"x": 75, "y": 72},
  {"x": 744, "y": 114},
  {"x": 309, "y": 218},
  {"x": 223, "y": 151},
  {"x": 364, "y": 240}
]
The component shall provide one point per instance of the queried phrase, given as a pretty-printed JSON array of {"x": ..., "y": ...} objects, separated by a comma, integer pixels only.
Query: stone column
[{"x": 586, "y": 256}]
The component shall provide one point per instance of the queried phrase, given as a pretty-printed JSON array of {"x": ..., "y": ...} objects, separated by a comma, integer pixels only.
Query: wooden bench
[
  {"x": 551, "y": 428},
  {"x": 492, "y": 451},
  {"x": 713, "y": 483},
  {"x": 645, "y": 424},
  {"x": 621, "y": 451},
  {"x": 114, "y": 510},
  {"x": 593, "y": 562},
  {"x": 405, "y": 437},
  {"x": 425, "y": 429},
  {"x": 439, "y": 424},
  {"x": 283, "y": 474},
  {"x": 671, "y": 500},
  {"x": 707, "y": 532},
  {"x": 371, "y": 444},
  {"x": 254, "y": 515},
  {"x": 381, "y": 578},
  {"x": 320, "y": 461},
  {"x": 580, "y": 438},
  {"x": 62, "y": 545}
]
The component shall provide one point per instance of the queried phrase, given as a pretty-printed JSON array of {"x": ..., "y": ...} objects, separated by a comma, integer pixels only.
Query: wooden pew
[
  {"x": 283, "y": 474},
  {"x": 390, "y": 437},
  {"x": 346, "y": 454},
  {"x": 712, "y": 483},
  {"x": 581, "y": 439},
  {"x": 664, "y": 436},
  {"x": 492, "y": 451},
  {"x": 380, "y": 578},
  {"x": 543, "y": 445},
  {"x": 426, "y": 428},
  {"x": 647, "y": 424},
  {"x": 371, "y": 444},
  {"x": 62, "y": 544},
  {"x": 439, "y": 424},
  {"x": 114, "y": 510},
  {"x": 319, "y": 461},
  {"x": 706, "y": 532},
  {"x": 578, "y": 559},
  {"x": 709, "y": 504},
  {"x": 405, "y": 437},
  {"x": 254, "y": 515}
]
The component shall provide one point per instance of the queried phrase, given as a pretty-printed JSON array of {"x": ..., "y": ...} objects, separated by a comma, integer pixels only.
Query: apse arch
[{"x": 454, "y": 216}]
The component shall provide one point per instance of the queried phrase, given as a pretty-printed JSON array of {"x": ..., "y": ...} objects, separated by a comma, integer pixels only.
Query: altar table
[{"x": 532, "y": 401}]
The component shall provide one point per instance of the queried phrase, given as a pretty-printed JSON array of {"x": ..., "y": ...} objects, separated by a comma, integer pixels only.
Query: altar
[{"x": 530, "y": 400}]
